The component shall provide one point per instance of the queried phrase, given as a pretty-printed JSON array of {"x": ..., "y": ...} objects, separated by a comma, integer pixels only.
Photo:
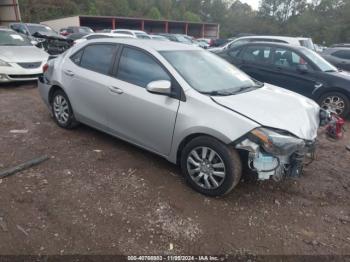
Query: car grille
[
  {"x": 30, "y": 65},
  {"x": 24, "y": 76}
]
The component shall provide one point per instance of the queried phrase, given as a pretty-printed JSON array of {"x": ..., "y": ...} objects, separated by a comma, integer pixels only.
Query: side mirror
[
  {"x": 161, "y": 87},
  {"x": 302, "y": 69}
]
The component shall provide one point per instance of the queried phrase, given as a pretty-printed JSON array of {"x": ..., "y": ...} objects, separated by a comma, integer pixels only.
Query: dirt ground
[{"x": 100, "y": 195}]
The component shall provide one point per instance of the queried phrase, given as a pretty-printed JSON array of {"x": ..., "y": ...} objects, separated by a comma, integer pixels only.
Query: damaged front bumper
[{"x": 276, "y": 154}]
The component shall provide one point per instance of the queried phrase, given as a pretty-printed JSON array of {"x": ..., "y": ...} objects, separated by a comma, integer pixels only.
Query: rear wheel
[
  {"x": 62, "y": 110},
  {"x": 336, "y": 102},
  {"x": 210, "y": 167}
]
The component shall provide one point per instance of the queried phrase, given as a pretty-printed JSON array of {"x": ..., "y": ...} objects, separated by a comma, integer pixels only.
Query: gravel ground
[{"x": 99, "y": 195}]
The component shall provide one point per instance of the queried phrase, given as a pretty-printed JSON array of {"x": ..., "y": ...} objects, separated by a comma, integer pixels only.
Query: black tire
[
  {"x": 226, "y": 154},
  {"x": 70, "y": 122},
  {"x": 341, "y": 96}
]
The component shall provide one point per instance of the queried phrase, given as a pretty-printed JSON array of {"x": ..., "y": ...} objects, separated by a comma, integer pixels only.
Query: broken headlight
[{"x": 276, "y": 143}]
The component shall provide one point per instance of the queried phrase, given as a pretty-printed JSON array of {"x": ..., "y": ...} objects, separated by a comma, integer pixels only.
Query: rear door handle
[
  {"x": 116, "y": 90},
  {"x": 68, "y": 73}
]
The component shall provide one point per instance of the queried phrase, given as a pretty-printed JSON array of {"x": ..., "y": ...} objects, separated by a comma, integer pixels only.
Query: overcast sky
[{"x": 253, "y": 3}]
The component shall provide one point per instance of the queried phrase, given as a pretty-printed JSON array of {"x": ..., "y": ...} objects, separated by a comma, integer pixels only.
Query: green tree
[
  {"x": 154, "y": 13},
  {"x": 189, "y": 16}
]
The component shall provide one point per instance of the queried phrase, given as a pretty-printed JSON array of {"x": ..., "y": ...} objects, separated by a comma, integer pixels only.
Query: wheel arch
[
  {"x": 52, "y": 90},
  {"x": 189, "y": 138},
  {"x": 324, "y": 91}
]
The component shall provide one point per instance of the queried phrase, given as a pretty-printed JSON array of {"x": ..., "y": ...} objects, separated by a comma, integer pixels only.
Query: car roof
[
  {"x": 267, "y": 36},
  {"x": 110, "y": 34},
  {"x": 288, "y": 39},
  {"x": 296, "y": 47},
  {"x": 6, "y": 29},
  {"x": 32, "y": 24},
  {"x": 130, "y": 30},
  {"x": 149, "y": 44}
]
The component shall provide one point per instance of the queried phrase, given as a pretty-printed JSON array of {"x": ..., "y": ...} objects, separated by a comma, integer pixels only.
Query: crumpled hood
[
  {"x": 22, "y": 54},
  {"x": 276, "y": 107}
]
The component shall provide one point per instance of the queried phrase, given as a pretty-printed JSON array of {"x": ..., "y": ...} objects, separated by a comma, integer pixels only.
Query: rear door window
[
  {"x": 139, "y": 68},
  {"x": 98, "y": 58}
]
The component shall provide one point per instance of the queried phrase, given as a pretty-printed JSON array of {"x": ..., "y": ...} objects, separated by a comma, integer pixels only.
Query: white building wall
[
  {"x": 8, "y": 9},
  {"x": 57, "y": 24}
]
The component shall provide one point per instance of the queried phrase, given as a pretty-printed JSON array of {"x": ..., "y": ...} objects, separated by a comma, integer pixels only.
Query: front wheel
[
  {"x": 210, "y": 167},
  {"x": 335, "y": 102}
]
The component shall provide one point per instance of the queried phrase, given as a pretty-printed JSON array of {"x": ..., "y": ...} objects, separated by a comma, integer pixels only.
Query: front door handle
[
  {"x": 116, "y": 90},
  {"x": 68, "y": 73}
]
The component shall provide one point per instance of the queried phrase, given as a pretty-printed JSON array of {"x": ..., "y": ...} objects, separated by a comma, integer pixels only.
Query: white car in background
[
  {"x": 101, "y": 35},
  {"x": 19, "y": 59},
  {"x": 297, "y": 41},
  {"x": 159, "y": 38},
  {"x": 136, "y": 33}
]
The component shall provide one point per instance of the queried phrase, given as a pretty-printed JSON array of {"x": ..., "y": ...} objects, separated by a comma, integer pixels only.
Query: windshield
[
  {"x": 183, "y": 39},
  {"x": 10, "y": 38},
  {"x": 319, "y": 61},
  {"x": 208, "y": 73},
  {"x": 40, "y": 28},
  {"x": 85, "y": 30}
]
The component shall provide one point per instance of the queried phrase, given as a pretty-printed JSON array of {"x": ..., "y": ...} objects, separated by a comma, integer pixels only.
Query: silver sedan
[{"x": 184, "y": 104}]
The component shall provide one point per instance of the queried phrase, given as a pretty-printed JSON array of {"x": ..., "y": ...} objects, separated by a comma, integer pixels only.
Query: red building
[{"x": 198, "y": 30}]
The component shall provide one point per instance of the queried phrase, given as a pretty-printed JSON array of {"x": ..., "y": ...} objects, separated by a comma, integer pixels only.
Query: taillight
[{"x": 45, "y": 68}]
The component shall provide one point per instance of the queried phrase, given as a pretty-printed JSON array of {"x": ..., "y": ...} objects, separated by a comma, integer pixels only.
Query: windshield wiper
[
  {"x": 217, "y": 93},
  {"x": 330, "y": 71},
  {"x": 230, "y": 93}
]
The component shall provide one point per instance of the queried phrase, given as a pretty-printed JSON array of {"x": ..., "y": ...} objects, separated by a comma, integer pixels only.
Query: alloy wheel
[
  {"x": 61, "y": 109},
  {"x": 334, "y": 103},
  {"x": 206, "y": 168}
]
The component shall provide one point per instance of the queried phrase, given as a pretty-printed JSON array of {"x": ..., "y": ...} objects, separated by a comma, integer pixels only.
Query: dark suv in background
[
  {"x": 338, "y": 56},
  {"x": 298, "y": 69}
]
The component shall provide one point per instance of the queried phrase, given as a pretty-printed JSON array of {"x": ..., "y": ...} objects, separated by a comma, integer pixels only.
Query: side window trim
[{"x": 178, "y": 94}]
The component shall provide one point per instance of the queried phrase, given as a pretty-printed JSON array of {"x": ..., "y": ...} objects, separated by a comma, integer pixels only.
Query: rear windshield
[
  {"x": 85, "y": 30},
  {"x": 40, "y": 28},
  {"x": 10, "y": 38}
]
